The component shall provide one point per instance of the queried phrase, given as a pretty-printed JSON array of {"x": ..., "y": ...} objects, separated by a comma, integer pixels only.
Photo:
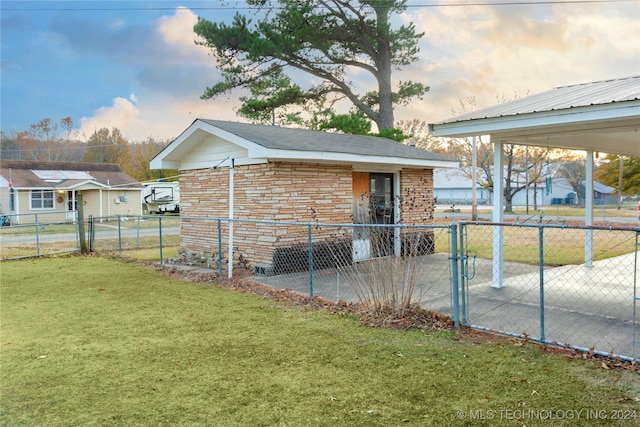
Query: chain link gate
[
  {"x": 549, "y": 291},
  {"x": 636, "y": 299}
]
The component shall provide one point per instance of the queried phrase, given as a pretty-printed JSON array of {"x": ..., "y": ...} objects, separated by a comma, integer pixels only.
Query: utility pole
[
  {"x": 620, "y": 182},
  {"x": 526, "y": 177}
]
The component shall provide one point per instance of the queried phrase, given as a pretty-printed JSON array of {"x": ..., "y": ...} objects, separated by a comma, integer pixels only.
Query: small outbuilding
[{"x": 269, "y": 173}]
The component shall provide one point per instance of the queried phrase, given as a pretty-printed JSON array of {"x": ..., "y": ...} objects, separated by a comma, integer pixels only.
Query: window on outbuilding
[{"x": 41, "y": 199}]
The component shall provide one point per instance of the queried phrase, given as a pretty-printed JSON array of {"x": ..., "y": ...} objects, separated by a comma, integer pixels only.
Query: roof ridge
[{"x": 598, "y": 81}]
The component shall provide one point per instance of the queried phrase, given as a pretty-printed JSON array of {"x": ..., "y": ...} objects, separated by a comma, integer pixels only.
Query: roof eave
[
  {"x": 589, "y": 117},
  {"x": 341, "y": 158}
]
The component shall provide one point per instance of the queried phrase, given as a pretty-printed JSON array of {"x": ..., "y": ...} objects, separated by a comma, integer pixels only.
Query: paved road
[
  {"x": 533, "y": 218},
  {"x": 101, "y": 233}
]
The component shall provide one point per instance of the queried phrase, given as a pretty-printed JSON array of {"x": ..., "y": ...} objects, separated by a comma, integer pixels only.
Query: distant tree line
[
  {"x": 524, "y": 167},
  {"x": 51, "y": 141}
]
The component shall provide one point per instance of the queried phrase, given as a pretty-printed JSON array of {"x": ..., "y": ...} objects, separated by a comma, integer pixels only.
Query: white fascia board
[
  {"x": 85, "y": 185},
  {"x": 160, "y": 159},
  {"x": 332, "y": 157},
  {"x": 157, "y": 163},
  {"x": 224, "y": 165},
  {"x": 591, "y": 115},
  {"x": 169, "y": 157}
]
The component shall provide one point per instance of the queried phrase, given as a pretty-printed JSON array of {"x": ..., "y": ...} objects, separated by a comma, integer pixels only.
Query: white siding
[{"x": 210, "y": 152}]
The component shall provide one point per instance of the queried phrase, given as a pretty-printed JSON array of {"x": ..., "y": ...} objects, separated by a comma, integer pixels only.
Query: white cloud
[
  {"x": 177, "y": 33},
  {"x": 122, "y": 114},
  {"x": 143, "y": 116},
  {"x": 116, "y": 24},
  {"x": 489, "y": 53}
]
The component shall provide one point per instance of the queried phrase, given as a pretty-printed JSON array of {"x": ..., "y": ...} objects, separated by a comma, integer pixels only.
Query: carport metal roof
[{"x": 601, "y": 116}]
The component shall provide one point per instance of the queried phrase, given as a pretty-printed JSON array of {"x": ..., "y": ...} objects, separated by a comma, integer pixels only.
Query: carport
[{"x": 596, "y": 117}]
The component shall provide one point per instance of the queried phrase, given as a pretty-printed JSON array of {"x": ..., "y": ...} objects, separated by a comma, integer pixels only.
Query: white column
[
  {"x": 474, "y": 180},
  {"x": 588, "y": 211},
  {"x": 498, "y": 215}
]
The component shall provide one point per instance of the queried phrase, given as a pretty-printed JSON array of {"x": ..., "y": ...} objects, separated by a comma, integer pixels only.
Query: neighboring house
[
  {"x": 51, "y": 189},
  {"x": 453, "y": 188},
  {"x": 270, "y": 173},
  {"x": 602, "y": 194}
]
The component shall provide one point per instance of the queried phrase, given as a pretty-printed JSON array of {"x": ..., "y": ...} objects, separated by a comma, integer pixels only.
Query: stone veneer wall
[
  {"x": 294, "y": 192},
  {"x": 416, "y": 196}
]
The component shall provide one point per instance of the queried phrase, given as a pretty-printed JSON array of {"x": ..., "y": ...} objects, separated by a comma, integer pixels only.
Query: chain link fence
[
  {"x": 32, "y": 235},
  {"x": 570, "y": 286},
  {"x": 138, "y": 236},
  {"x": 565, "y": 285}
]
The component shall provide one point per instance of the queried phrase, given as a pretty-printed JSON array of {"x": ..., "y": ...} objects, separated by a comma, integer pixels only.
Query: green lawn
[{"x": 99, "y": 341}]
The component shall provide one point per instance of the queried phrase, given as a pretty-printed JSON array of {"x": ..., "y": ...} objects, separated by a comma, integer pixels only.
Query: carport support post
[
  {"x": 588, "y": 211},
  {"x": 498, "y": 215}
]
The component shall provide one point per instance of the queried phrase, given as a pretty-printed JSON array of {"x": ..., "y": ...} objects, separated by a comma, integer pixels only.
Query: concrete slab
[{"x": 583, "y": 306}]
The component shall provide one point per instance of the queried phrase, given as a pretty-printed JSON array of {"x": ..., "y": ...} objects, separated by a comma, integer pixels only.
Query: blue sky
[{"x": 134, "y": 64}]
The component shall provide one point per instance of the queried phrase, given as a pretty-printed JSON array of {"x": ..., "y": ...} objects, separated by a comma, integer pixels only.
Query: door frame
[
  {"x": 362, "y": 249},
  {"x": 71, "y": 205}
]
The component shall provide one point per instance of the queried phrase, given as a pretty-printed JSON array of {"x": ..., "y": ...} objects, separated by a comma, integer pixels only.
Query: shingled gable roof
[
  {"x": 100, "y": 175},
  {"x": 277, "y": 143}
]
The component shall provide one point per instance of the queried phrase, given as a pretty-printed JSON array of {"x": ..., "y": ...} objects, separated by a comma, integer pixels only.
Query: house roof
[
  {"x": 279, "y": 143},
  {"x": 599, "y": 116},
  {"x": 452, "y": 179},
  {"x": 601, "y": 188},
  {"x": 65, "y": 175}
]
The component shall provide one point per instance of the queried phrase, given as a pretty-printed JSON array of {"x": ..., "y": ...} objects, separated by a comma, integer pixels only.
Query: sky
[{"x": 135, "y": 66}]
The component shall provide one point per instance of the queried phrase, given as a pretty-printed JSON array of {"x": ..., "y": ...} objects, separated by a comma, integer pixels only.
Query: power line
[{"x": 427, "y": 4}]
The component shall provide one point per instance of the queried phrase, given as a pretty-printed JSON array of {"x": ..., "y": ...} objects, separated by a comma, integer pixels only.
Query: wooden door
[{"x": 361, "y": 191}]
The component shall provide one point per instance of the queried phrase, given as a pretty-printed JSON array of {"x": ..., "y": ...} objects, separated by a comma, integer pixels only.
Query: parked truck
[{"x": 161, "y": 197}]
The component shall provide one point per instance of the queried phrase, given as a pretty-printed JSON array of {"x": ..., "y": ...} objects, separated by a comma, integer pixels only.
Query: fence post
[
  {"x": 219, "y": 248},
  {"x": 81, "y": 231},
  {"x": 541, "y": 262},
  {"x": 119, "y": 237},
  {"x": 138, "y": 234},
  {"x": 464, "y": 277},
  {"x": 160, "y": 235},
  {"x": 454, "y": 274},
  {"x": 92, "y": 237},
  {"x": 37, "y": 237},
  {"x": 310, "y": 259},
  {"x": 91, "y": 232}
]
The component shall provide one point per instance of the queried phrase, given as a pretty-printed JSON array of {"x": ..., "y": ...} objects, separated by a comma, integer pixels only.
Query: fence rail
[{"x": 553, "y": 283}]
